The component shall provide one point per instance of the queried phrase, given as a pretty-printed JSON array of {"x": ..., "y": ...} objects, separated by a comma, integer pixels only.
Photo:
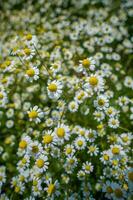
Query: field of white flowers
[{"x": 66, "y": 99}]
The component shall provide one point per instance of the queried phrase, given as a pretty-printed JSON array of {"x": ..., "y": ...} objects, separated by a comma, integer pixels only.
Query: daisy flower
[
  {"x": 73, "y": 106},
  {"x": 32, "y": 74},
  {"x": 101, "y": 103},
  {"x": 48, "y": 139},
  {"x": 94, "y": 82},
  {"x": 3, "y": 98},
  {"x": 28, "y": 53},
  {"x": 62, "y": 133},
  {"x": 93, "y": 150},
  {"x": 105, "y": 157},
  {"x": 30, "y": 39},
  {"x": 118, "y": 192},
  {"x": 72, "y": 161},
  {"x": 80, "y": 143},
  {"x": 42, "y": 163},
  {"x": 52, "y": 188},
  {"x": 54, "y": 89},
  {"x": 99, "y": 116},
  {"x": 69, "y": 149},
  {"x": 107, "y": 189},
  {"x": 55, "y": 67},
  {"x": 128, "y": 82},
  {"x": 87, "y": 64},
  {"x": 113, "y": 123},
  {"x": 91, "y": 135},
  {"x": 35, "y": 114},
  {"x": 81, "y": 175},
  {"x": 80, "y": 96},
  {"x": 35, "y": 148},
  {"x": 87, "y": 167},
  {"x": 116, "y": 151}
]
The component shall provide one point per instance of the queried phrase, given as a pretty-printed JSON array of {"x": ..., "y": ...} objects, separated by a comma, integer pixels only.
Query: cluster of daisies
[{"x": 66, "y": 104}]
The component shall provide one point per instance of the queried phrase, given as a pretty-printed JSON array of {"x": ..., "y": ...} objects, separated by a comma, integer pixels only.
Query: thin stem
[
  {"x": 125, "y": 129},
  {"x": 42, "y": 61}
]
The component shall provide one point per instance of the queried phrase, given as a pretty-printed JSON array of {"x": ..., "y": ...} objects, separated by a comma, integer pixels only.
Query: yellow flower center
[
  {"x": 1, "y": 95},
  {"x": 86, "y": 63},
  {"x": 69, "y": 150},
  {"x": 101, "y": 102},
  {"x": 118, "y": 193},
  {"x": 87, "y": 167},
  {"x": 4, "y": 80},
  {"x": 115, "y": 150},
  {"x": 106, "y": 157},
  {"x": 125, "y": 139},
  {"x": 80, "y": 143},
  {"x": 82, "y": 132},
  {"x": 110, "y": 111},
  {"x": 27, "y": 51},
  {"x": 30, "y": 72},
  {"x": 17, "y": 189},
  {"x": 7, "y": 63},
  {"x": 22, "y": 144},
  {"x": 35, "y": 149},
  {"x": 92, "y": 149},
  {"x": 21, "y": 178},
  {"x": 60, "y": 132},
  {"x": 109, "y": 190},
  {"x": 93, "y": 80},
  {"x": 90, "y": 135},
  {"x": 35, "y": 182},
  {"x": 51, "y": 189},
  {"x": 130, "y": 176},
  {"x": 40, "y": 163},
  {"x": 71, "y": 161},
  {"x": 29, "y": 37},
  {"x": 47, "y": 139},
  {"x": 115, "y": 162},
  {"x": 52, "y": 87},
  {"x": 113, "y": 122},
  {"x": 24, "y": 161},
  {"x": 33, "y": 114}
]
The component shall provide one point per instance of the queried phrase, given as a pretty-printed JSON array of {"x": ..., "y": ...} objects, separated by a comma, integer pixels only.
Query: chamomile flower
[
  {"x": 73, "y": 106},
  {"x": 93, "y": 150},
  {"x": 61, "y": 133},
  {"x": 3, "y": 98},
  {"x": 86, "y": 65},
  {"x": 118, "y": 192},
  {"x": 35, "y": 114},
  {"x": 32, "y": 74},
  {"x": 101, "y": 103},
  {"x": 69, "y": 149},
  {"x": 54, "y": 89},
  {"x": 116, "y": 151},
  {"x": 94, "y": 82},
  {"x": 91, "y": 135},
  {"x": 113, "y": 123},
  {"x": 42, "y": 163},
  {"x": 28, "y": 53},
  {"x": 30, "y": 39},
  {"x": 87, "y": 167},
  {"x": 48, "y": 138},
  {"x": 52, "y": 188},
  {"x": 80, "y": 143},
  {"x": 105, "y": 157}
]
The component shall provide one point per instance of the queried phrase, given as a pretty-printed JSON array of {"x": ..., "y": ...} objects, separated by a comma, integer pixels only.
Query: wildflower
[
  {"x": 35, "y": 114},
  {"x": 54, "y": 89},
  {"x": 87, "y": 167},
  {"x": 32, "y": 74}
]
